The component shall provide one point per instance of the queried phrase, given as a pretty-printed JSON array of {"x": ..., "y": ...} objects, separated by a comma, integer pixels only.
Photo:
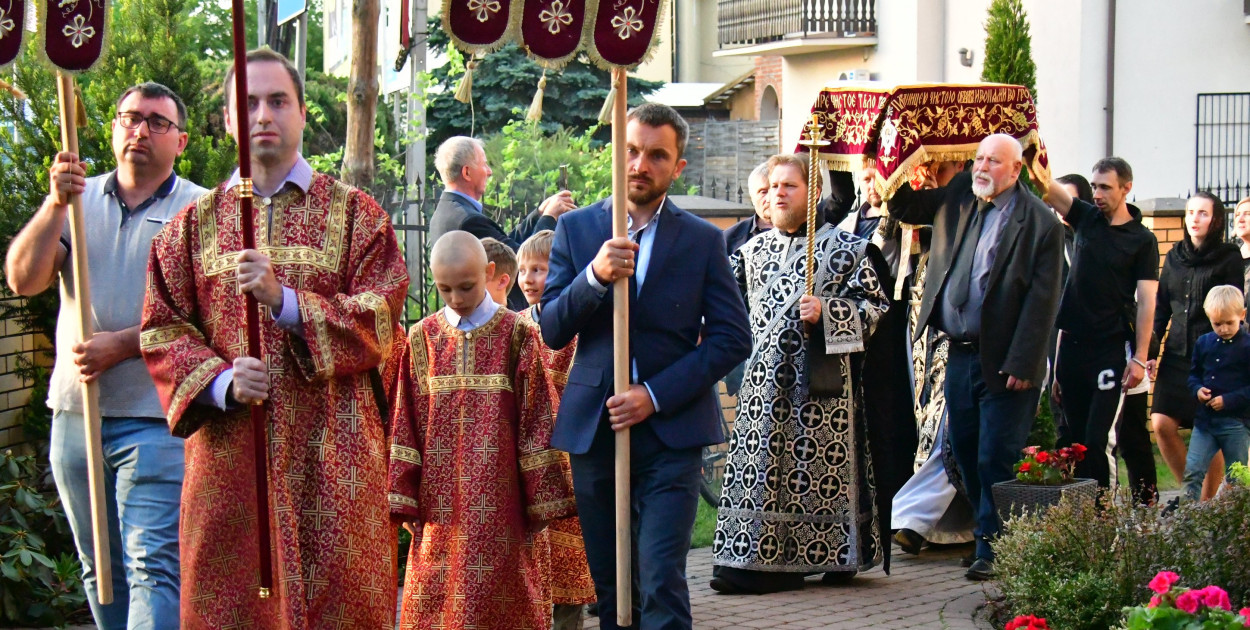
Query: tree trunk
[{"x": 362, "y": 95}]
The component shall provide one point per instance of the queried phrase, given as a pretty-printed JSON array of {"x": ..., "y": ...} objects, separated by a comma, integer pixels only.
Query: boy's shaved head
[
  {"x": 458, "y": 263},
  {"x": 457, "y": 248}
]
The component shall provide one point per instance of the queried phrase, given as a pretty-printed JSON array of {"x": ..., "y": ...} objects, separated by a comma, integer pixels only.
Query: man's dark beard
[{"x": 643, "y": 198}]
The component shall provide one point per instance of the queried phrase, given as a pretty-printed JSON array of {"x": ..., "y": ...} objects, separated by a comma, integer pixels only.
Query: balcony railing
[{"x": 752, "y": 22}]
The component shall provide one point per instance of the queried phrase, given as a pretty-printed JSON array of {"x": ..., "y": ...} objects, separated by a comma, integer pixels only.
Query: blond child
[
  {"x": 1220, "y": 380},
  {"x": 569, "y": 575}
]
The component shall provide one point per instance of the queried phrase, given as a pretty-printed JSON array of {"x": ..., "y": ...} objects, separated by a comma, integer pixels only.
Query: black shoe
[
  {"x": 981, "y": 570},
  {"x": 967, "y": 560},
  {"x": 838, "y": 578},
  {"x": 909, "y": 541},
  {"x": 1173, "y": 505},
  {"x": 725, "y": 587}
]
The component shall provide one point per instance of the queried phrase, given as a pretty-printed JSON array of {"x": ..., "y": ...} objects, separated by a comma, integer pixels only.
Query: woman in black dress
[{"x": 1196, "y": 264}]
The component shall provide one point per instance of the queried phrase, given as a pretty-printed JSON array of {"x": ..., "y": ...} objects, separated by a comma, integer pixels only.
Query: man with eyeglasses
[{"x": 124, "y": 210}]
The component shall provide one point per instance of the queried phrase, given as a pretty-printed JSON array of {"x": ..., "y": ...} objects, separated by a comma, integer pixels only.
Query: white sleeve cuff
[
  {"x": 288, "y": 319},
  {"x": 594, "y": 282}
]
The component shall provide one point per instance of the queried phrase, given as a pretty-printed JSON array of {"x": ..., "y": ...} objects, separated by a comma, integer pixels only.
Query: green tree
[
  {"x": 1009, "y": 47},
  {"x": 503, "y": 87}
]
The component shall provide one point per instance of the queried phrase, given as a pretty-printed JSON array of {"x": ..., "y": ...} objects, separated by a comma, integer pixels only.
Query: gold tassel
[
  {"x": 464, "y": 93},
  {"x": 605, "y": 114},
  {"x": 12, "y": 89},
  {"x": 82, "y": 107},
  {"x": 536, "y": 108}
]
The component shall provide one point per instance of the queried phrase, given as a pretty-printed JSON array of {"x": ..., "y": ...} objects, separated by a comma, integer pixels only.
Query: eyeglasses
[{"x": 156, "y": 123}]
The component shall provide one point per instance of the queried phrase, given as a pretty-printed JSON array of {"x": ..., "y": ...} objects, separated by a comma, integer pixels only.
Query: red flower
[
  {"x": 1245, "y": 615},
  {"x": 1043, "y": 457},
  {"x": 1079, "y": 449},
  {"x": 1024, "y": 467},
  {"x": 1027, "y": 622},
  {"x": 1163, "y": 582},
  {"x": 1188, "y": 601},
  {"x": 1154, "y": 602},
  {"x": 1215, "y": 597}
]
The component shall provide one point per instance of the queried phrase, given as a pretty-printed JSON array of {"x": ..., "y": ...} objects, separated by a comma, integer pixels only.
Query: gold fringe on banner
[
  {"x": 605, "y": 114},
  {"x": 536, "y": 108},
  {"x": 464, "y": 92}
]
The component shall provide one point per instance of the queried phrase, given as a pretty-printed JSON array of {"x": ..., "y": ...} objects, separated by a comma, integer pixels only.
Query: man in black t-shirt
[{"x": 1115, "y": 265}]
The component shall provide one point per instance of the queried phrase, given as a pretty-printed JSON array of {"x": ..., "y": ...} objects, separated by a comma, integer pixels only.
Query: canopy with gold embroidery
[
  {"x": 897, "y": 129},
  {"x": 12, "y": 21}
]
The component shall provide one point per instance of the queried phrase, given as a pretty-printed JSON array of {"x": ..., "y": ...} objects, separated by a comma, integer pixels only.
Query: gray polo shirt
[{"x": 118, "y": 242}]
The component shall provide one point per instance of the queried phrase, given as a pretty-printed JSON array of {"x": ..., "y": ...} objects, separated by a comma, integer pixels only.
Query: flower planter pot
[{"x": 1014, "y": 497}]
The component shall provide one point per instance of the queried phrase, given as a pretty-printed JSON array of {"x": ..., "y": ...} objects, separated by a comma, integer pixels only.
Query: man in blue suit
[{"x": 688, "y": 328}]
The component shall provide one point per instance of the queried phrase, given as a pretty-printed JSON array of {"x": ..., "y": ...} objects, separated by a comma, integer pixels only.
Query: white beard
[{"x": 982, "y": 191}]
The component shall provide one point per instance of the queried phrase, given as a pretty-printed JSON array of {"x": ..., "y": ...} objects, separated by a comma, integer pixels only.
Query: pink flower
[
  {"x": 1163, "y": 582},
  {"x": 1215, "y": 597},
  {"x": 1188, "y": 601},
  {"x": 1154, "y": 602},
  {"x": 1245, "y": 615}
]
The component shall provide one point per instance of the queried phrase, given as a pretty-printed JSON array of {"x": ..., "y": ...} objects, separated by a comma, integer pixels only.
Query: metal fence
[
  {"x": 411, "y": 219},
  {"x": 721, "y": 154},
  {"x": 1222, "y": 146}
]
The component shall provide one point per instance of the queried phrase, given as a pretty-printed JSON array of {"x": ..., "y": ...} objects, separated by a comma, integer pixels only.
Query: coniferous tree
[{"x": 1009, "y": 47}]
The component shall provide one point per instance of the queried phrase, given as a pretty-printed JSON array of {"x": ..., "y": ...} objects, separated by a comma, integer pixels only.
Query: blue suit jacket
[{"x": 688, "y": 327}]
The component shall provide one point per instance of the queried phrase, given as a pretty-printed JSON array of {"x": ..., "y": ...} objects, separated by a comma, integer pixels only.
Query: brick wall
[
  {"x": 14, "y": 392},
  {"x": 767, "y": 72},
  {"x": 1166, "y": 218}
]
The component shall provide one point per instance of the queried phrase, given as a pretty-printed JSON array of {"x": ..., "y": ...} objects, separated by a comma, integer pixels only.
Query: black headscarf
[{"x": 1213, "y": 246}]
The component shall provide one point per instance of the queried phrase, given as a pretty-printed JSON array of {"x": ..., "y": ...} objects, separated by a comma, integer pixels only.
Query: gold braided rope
[
  {"x": 245, "y": 187},
  {"x": 813, "y": 143}
]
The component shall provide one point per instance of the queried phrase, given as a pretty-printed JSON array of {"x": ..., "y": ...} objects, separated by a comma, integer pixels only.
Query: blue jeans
[
  {"x": 1229, "y": 435},
  {"x": 143, "y": 468},
  {"x": 988, "y": 431}
]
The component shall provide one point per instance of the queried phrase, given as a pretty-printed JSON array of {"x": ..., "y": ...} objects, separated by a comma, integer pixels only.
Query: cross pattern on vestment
[
  {"x": 315, "y": 583},
  {"x": 373, "y": 589},
  {"x": 804, "y": 448},
  {"x": 353, "y": 484},
  {"x": 352, "y": 551},
  {"x": 277, "y": 436},
  {"x": 798, "y": 482},
  {"x": 340, "y": 618},
  {"x": 789, "y": 342},
  {"x": 319, "y": 513},
  {"x": 817, "y": 552},
  {"x": 202, "y": 595},
  {"x": 236, "y": 623},
  {"x": 373, "y": 519},
  {"x": 811, "y": 415},
  {"x": 207, "y": 493},
  {"x": 769, "y": 547},
  {"x": 488, "y": 447},
  {"x": 482, "y": 508},
  {"x": 297, "y": 276},
  {"x": 443, "y": 509},
  {"x": 772, "y": 478},
  {"x": 224, "y": 555},
  {"x": 435, "y": 454},
  {"x": 238, "y": 347},
  {"x": 842, "y": 259},
  {"x": 352, "y": 417},
  {"x": 194, "y": 530},
  {"x": 323, "y": 444},
  {"x": 776, "y": 443},
  {"x": 239, "y": 514},
  {"x": 507, "y": 543},
  {"x": 478, "y": 568},
  {"x": 228, "y": 454},
  {"x": 841, "y": 309},
  {"x": 828, "y": 486},
  {"x": 752, "y": 441},
  {"x": 741, "y": 545}
]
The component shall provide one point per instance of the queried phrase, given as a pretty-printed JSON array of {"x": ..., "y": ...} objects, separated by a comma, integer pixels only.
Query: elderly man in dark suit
[
  {"x": 995, "y": 271},
  {"x": 688, "y": 328},
  {"x": 461, "y": 162}
]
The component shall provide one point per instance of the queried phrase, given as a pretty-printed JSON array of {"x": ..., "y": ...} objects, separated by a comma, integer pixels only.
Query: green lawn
[{"x": 704, "y": 526}]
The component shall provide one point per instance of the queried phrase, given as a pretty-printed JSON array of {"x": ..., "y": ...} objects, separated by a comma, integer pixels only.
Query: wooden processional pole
[
  {"x": 90, "y": 391},
  {"x": 620, "y": 349}
]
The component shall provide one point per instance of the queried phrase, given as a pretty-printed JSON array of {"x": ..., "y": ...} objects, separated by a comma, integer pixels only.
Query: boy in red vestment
[
  {"x": 472, "y": 473},
  {"x": 571, "y": 586}
]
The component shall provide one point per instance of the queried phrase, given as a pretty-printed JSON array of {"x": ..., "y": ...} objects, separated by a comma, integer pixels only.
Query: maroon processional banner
[
  {"x": 551, "y": 30},
  {"x": 12, "y": 27},
  {"x": 614, "y": 33},
  {"x": 899, "y": 129},
  {"x": 74, "y": 33}
]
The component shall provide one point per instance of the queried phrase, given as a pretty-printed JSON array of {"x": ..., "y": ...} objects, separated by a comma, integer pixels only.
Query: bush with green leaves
[
  {"x": 40, "y": 577},
  {"x": 1079, "y": 565}
]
